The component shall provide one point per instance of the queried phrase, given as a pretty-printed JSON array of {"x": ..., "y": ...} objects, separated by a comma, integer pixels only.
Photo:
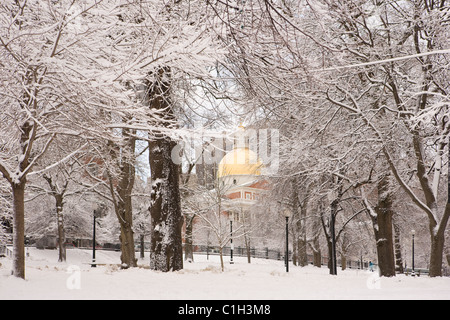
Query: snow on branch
[
  {"x": 371, "y": 63},
  {"x": 4, "y": 169},
  {"x": 58, "y": 162}
]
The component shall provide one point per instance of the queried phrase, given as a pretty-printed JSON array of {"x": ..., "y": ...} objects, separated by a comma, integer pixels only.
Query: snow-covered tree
[
  {"x": 404, "y": 104},
  {"x": 33, "y": 97},
  {"x": 381, "y": 65}
]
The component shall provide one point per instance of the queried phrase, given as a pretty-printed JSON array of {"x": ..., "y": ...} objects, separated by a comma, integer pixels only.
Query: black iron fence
[
  {"x": 238, "y": 251},
  {"x": 267, "y": 253}
]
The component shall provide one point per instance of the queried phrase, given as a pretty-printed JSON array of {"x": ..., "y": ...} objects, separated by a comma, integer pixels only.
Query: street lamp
[
  {"x": 287, "y": 214},
  {"x": 413, "y": 233},
  {"x": 98, "y": 213},
  {"x": 231, "y": 239}
]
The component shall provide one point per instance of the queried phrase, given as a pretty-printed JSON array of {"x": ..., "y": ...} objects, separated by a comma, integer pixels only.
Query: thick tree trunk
[
  {"x": 121, "y": 190},
  {"x": 166, "y": 249},
  {"x": 382, "y": 224},
  {"x": 437, "y": 247},
  {"x": 437, "y": 244},
  {"x": 385, "y": 251},
  {"x": 19, "y": 230},
  {"x": 128, "y": 256},
  {"x": 436, "y": 227},
  {"x": 18, "y": 187}
]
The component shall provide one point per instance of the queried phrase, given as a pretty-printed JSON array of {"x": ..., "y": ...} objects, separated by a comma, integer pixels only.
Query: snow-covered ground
[{"x": 202, "y": 280}]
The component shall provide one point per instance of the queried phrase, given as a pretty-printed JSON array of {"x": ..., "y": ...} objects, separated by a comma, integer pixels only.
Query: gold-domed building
[
  {"x": 240, "y": 180},
  {"x": 239, "y": 162}
]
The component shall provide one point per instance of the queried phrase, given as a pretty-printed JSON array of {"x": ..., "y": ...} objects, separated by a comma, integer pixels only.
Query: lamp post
[
  {"x": 231, "y": 240},
  {"x": 287, "y": 214},
  {"x": 207, "y": 246},
  {"x": 93, "y": 265},
  {"x": 413, "y": 233}
]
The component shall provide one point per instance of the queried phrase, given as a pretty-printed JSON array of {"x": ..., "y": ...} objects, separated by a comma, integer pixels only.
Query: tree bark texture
[
  {"x": 124, "y": 188},
  {"x": 19, "y": 230},
  {"x": 437, "y": 232},
  {"x": 18, "y": 187},
  {"x": 332, "y": 263},
  {"x": 166, "y": 250},
  {"x": 121, "y": 189},
  {"x": 128, "y": 256},
  {"x": 382, "y": 224},
  {"x": 448, "y": 259}
]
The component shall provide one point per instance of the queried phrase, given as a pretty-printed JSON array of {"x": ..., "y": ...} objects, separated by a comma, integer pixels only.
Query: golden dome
[{"x": 240, "y": 161}]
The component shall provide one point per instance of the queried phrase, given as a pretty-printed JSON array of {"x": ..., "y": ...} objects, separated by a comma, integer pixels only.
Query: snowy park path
[{"x": 202, "y": 280}]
